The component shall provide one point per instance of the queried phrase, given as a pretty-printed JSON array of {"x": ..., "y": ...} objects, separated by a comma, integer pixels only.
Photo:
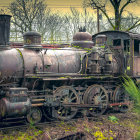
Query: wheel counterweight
[{"x": 96, "y": 95}]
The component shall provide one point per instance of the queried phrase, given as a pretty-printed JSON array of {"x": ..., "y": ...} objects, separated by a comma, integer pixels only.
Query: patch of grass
[
  {"x": 133, "y": 90},
  {"x": 113, "y": 119},
  {"x": 29, "y": 134},
  {"x": 138, "y": 136}
]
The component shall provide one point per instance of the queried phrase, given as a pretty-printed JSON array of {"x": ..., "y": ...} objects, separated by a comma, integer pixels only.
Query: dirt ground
[
  {"x": 116, "y": 126},
  {"x": 123, "y": 127}
]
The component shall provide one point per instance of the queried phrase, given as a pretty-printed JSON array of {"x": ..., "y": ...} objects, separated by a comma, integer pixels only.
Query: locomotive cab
[{"x": 125, "y": 46}]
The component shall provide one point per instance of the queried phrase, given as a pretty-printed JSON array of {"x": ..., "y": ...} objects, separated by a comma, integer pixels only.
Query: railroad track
[{"x": 24, "y": 125}]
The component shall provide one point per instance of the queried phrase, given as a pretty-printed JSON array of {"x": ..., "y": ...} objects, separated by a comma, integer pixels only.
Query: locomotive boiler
[{"x": 58, "y": 83}]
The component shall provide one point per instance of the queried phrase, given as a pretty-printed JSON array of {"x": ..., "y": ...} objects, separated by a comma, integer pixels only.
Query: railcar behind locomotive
[{"x": 59, "y": 83}]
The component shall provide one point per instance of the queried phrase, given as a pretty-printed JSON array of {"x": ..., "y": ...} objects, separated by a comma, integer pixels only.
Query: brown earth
[{"x": 125, "y": 127}]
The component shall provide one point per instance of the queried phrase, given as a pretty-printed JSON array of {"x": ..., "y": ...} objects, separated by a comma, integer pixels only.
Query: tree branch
[
  {"x": 112, "y": 2},
  {"x": 136, "y": 24},
  {"x": 94, "y": 4},
  {"x": 126, "y": 4},
  {"x": 108, "y": 19}
]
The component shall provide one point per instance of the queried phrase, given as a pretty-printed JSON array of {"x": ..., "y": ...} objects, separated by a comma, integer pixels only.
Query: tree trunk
[{"x": 117, "y": 19}]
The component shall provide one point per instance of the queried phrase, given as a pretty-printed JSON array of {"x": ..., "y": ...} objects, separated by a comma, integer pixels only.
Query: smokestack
[{"x": 4, "y": 30}]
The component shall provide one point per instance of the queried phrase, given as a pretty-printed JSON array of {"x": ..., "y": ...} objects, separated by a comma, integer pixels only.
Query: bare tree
[
  {"x": 119, "y": 7},
  {"x": 67, "y": 27},
  {"x": 128, "y": 22},
  {"x": 76, "y": 19},
  {"x": 24, "y": 13},
  {"x": 54, "y": 24},
  {"x": 88, "y": 21},
  {"x": 79, "y": 19},
  {"x": 72, "y": 23},
  {"x": 4, "y": 11},
  {"x": 41, "y": 23}
]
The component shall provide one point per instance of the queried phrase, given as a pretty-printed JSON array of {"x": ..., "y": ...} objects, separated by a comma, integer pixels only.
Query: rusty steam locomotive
[{"x": 59, "y": 83}]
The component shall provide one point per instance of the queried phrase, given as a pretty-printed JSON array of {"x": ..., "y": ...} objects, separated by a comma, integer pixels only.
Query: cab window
[
  {"x": 117, "y": 42},
  {"x": 136, "y": 47}
]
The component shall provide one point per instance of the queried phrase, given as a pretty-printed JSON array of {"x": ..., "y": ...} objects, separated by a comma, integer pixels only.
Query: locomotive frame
[{"x": 59, "y": 83}]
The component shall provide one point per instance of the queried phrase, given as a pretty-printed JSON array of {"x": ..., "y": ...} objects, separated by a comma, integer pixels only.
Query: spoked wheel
[
  {"x": 121, "y": 96},
  {"x": 65, "y": 95},
  {"x": 34, "y": 115},
  {"x": 97, "y": 96}
]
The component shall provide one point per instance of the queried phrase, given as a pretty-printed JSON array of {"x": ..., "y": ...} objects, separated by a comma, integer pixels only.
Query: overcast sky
[
  {"x": 51, "y": 3},
  {"x": 63, "y": 5}
]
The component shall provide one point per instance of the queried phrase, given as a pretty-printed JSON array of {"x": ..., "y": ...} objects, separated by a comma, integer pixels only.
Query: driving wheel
[
  {"x": 97, "y": 97},
  {"x": 66, "y": 95},
  {"x": 121, "y": 96}
]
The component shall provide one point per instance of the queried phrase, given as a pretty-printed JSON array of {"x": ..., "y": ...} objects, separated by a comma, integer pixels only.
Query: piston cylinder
[
  {"x": 16, "y": 103},
  {"x": 11, "y": 107}
]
